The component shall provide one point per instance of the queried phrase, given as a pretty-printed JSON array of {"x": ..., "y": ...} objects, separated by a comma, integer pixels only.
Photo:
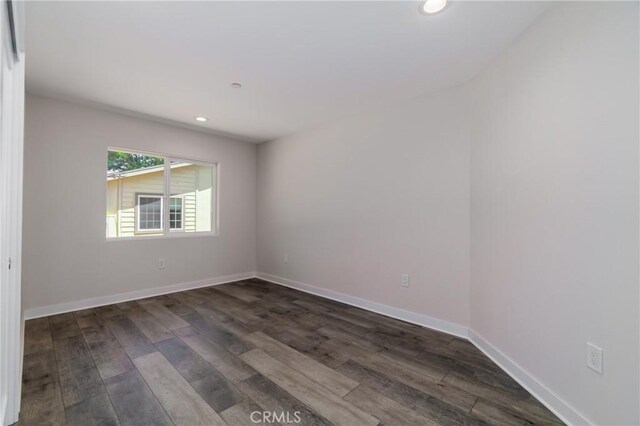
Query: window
[
  {"x": 149, "y": 213},
  {"x": 139, "y": 185},
  {"x": 175, "y": 213}
]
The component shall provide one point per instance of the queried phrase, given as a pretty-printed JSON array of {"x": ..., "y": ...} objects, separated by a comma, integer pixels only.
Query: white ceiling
[{"x": 300, "y": 63}]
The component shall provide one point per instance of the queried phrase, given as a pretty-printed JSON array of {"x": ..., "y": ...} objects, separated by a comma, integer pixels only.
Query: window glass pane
[
  {"x": 175, "y": 213},
  {"x": 135, "y": 186},
  {"x": 150, "y": 212},
  {"x": 194, "y": 186}
]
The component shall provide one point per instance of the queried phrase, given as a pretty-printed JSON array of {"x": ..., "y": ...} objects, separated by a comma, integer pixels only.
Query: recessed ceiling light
[
  {"x": 236, "y": 85},
  {"x": 431, "y": 7},
  {"x": 201, "y": 119}
]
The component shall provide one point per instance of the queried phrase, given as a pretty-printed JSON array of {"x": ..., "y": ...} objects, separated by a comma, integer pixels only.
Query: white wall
[
  {"x": 554, "y": 210},
  {"x": 359, "y": 202},
  {"x": 66, "y": 256}
]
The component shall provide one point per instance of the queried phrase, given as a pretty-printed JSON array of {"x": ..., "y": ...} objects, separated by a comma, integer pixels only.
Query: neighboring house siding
[{"x": 185, "y": 183}]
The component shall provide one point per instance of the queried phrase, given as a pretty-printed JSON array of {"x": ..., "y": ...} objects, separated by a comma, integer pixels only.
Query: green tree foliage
[{"x": 118, "y": 161}]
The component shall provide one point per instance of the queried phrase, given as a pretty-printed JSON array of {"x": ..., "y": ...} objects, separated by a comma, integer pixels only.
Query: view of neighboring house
[{"x": 135, "y": 201}]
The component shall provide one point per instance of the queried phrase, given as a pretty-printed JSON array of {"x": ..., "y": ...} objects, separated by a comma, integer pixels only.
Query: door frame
[{"x": 11, "y": 170}]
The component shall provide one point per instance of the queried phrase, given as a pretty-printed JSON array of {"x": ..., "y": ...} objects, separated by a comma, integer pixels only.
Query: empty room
[{"x": 320, "y": 213}]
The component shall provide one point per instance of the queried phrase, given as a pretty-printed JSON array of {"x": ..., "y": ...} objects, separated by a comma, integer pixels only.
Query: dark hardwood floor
[{"x": 216, "y": 355}]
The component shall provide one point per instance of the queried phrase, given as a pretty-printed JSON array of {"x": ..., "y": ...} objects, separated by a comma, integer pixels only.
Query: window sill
[{"x": 165, "y": 237}]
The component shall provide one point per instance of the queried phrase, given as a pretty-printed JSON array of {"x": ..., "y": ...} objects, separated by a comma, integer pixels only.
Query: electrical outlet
[
  {"x": 285, "y": 259},
  {"x": 160, "y": 263},
  {"x": 594, "y": 357},
  {"x": 404, "y": 280}
]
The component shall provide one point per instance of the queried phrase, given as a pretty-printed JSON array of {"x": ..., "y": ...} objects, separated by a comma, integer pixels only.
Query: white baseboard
[
  {"x": 133, "y": 295},
  {"x": 401, "y": 314},
  {"x": 564, "y": 411}
]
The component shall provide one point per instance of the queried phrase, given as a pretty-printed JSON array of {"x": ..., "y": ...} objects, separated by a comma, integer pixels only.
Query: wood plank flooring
[{"x": 252, "y": 352}]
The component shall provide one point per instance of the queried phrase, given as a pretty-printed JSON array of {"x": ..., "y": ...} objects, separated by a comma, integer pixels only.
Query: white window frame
[{"x": 166, "y": 232}]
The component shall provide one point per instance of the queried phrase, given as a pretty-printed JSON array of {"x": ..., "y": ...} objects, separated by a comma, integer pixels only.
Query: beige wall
[{"x": 66, "y": 255}]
